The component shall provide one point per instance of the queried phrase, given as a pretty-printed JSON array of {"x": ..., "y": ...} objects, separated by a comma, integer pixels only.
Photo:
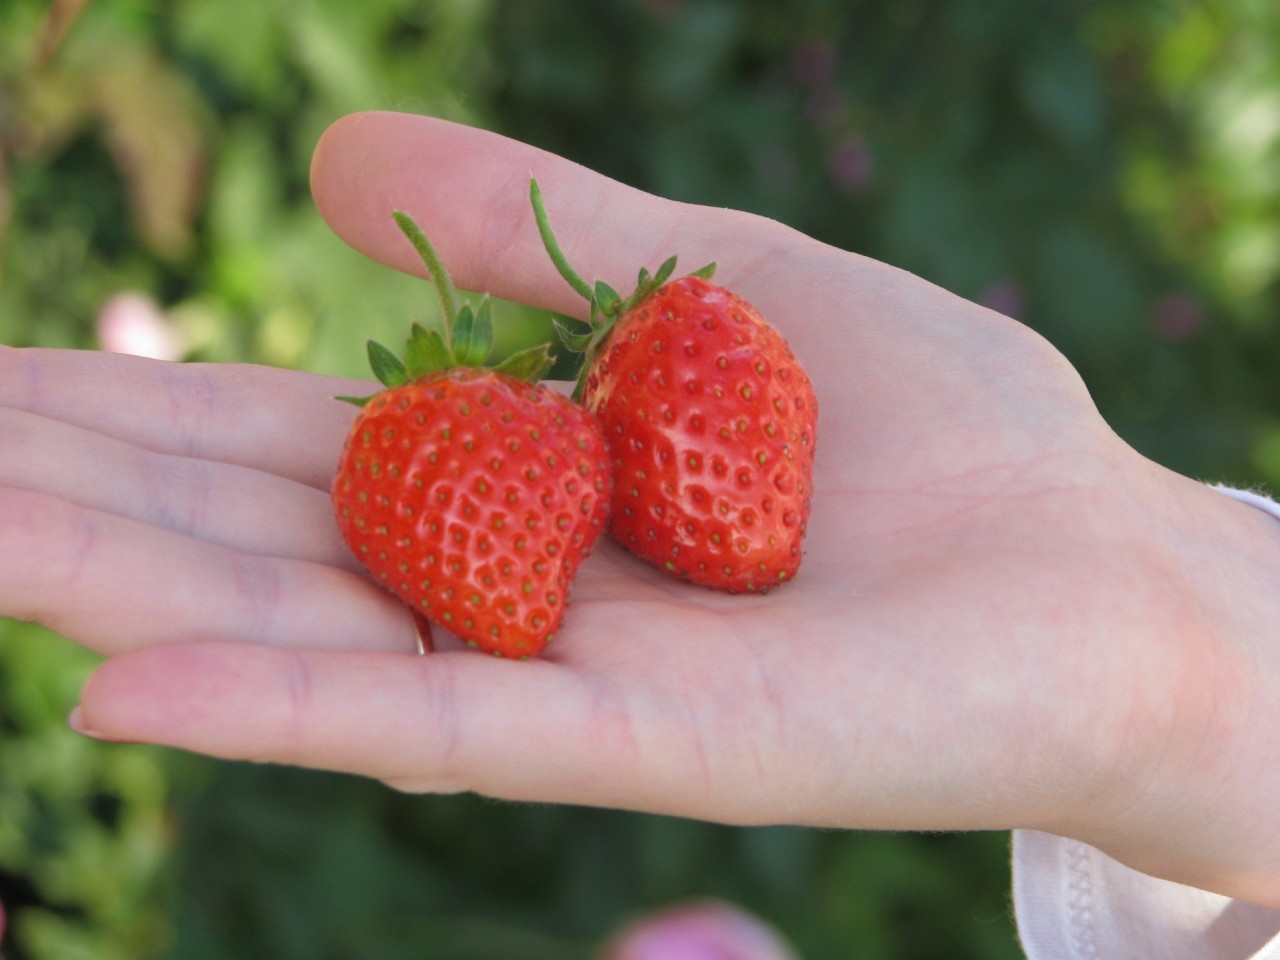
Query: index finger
[{"x": 470, "y": 190}]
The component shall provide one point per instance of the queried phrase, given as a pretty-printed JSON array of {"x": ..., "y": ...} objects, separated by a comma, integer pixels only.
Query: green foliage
[
  {"x": 1104, "y": 172},
  {"x": 85, "y": 832},
  {"x": 285, "y": 864}
]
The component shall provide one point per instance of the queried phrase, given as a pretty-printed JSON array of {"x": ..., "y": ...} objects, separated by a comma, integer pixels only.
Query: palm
[{"x": 932, "y": 521}]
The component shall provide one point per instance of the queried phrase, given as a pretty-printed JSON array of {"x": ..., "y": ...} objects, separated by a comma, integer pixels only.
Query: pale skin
[{"x": 1005, "y": 618}]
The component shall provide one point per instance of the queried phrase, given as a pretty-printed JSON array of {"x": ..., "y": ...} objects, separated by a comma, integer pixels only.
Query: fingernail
[{"x": 710, "y": 931}]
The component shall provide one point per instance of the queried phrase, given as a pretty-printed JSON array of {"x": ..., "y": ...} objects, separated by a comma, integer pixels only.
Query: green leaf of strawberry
[
  {"x": 426, "y": 352},
  {"x": 387, "y": 367},
  {"x": 529, "y": 364}
]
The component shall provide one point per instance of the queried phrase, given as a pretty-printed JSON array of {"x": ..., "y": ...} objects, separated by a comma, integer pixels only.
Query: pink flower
[
  {"x": 701, "y": 931},
  {"x": 133, "y": 323},
  {"x": 850, "y": 164},
  {"x": 1003, "y": 296},
  {"x": 1177, "y": 317}
]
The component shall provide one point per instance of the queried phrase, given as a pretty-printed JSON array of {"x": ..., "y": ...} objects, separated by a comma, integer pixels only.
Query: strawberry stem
[
  {"x": 606, "y": 305},
  {"x": 465, "y": 341},
  {"x": 571, "y": 276},
  {"x": 450, "y": 302}
]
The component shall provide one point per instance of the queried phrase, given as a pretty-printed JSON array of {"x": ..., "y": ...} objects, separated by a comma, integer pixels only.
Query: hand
[{"x": 1005, "y": 618}]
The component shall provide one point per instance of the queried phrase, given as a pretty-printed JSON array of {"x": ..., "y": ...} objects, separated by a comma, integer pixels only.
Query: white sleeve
[{"x": 1073, "y": 902}]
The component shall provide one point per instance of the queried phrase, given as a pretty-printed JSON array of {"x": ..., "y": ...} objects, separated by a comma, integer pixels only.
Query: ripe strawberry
[
  {"x": 710, "y": 420},
  {"x": 472, "y": 493}
]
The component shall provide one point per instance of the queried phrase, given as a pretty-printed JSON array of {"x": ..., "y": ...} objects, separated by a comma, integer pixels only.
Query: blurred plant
[
  {"x": 84, "y": 834},
  {"x": 75, "y": 80},
  {"x": 1106, "y": 173},
  {"x": 1199, "y": 178}
]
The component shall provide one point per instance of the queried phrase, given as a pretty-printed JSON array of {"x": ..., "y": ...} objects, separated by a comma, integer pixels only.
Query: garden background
[{"x": 1107, "y": 172}]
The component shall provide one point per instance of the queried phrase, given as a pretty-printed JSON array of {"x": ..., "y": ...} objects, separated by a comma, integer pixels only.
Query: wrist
[{"x": 1193, "y": 797}]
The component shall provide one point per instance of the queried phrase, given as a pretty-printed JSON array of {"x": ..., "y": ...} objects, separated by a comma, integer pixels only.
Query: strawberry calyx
[
  {"x": 607, "y": 306},
  {"x": 465, "y": 338}
]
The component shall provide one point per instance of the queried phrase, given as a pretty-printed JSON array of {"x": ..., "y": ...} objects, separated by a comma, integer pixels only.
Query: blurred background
[{"x": 1107, "y": 172}]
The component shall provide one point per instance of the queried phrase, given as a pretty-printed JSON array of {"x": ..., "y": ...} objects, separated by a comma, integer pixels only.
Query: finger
[
  {"x": 249, "y": 510},
  {"x": 277, "y": 421},
  {"x": 470, "y": 189},
  {"x": 431, "y": 722},
  {"x": 112, "y": 584},
  {"x": 446, "y": 722}
]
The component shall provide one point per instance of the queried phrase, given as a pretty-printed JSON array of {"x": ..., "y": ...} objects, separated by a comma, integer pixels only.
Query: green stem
[
  {"x": 571, "y": 276},
  {"x": 450, "y": 303}
]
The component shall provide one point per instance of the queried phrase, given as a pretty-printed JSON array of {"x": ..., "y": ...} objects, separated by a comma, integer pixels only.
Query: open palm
[{"x": 993, "y": 627}]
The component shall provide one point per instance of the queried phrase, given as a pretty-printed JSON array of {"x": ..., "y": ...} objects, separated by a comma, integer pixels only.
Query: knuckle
[
  {"x": 258, "y": 584},
  {"x": 299, "y": 701},
  {"x": 436, "y": 761},
  {"x": 46, "y": 544}
]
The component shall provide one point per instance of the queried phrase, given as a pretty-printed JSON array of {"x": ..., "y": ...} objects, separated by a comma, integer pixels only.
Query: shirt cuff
[{"x": 1073, "y": 902}]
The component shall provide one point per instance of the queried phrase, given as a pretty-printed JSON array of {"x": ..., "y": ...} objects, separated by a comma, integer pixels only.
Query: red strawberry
[
  {"x": 472, "y": 493},
  {"x": 711, "y": 424}
]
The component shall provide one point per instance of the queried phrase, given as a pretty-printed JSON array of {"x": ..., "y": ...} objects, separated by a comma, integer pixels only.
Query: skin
[{"x": 1006, "y": 617}]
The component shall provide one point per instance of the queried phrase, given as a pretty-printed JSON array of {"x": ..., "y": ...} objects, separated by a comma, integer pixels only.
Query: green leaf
[
  {"x": 356, "y": 401},
  {"x": 481, "y": 336},
  {"x": 387, "y": 367},
  {"x": 463, "y": 325},
  {"x": 426, "y": 352},
  {"x": 665, "y": 271},
  {"x": 531, "y": 364},
  {"x": 606, "y": 297},
  {"x": 707, "y": 272},
  {"x": 577, "y": 342},
  {"x": 597, "y": 319}
]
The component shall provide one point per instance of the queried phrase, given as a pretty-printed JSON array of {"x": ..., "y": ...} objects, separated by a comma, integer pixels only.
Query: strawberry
[
  {"x": 710, "y": 422},
  {"x": 472, "y": 493}
]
